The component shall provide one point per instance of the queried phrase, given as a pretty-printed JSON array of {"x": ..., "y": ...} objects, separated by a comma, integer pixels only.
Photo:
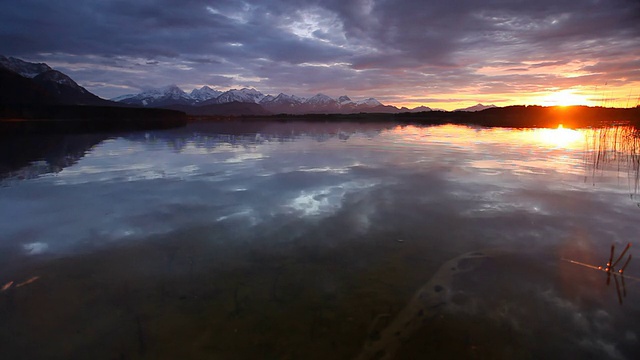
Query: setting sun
[{"x": 565, "y": 97}]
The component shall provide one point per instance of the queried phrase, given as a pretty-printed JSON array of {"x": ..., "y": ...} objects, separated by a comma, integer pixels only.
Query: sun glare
[
  {"x": 565, "y": 97},
  {"x": 560, "y": 137}
]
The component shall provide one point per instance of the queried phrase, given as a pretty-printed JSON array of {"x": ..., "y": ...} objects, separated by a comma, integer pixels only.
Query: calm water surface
[{"x": 269, "y": 240}]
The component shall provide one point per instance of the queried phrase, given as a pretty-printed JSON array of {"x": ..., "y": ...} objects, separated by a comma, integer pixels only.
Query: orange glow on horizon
[{"x": 594, "y": 95}]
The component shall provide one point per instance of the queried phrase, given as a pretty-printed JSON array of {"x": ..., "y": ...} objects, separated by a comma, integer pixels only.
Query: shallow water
[{"x": 275, "y": 240}]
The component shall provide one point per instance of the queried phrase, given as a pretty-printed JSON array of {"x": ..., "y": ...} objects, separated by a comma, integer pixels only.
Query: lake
[{"x": 319, "y": 240}]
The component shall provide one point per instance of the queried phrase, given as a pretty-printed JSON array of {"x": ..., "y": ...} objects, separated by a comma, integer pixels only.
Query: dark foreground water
[{"x": 317, "y": 241}]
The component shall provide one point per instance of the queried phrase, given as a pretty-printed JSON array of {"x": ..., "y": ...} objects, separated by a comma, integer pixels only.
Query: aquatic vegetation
[
  {"x": 614, "y": 148},
  {"x": 611, "y": 271}
]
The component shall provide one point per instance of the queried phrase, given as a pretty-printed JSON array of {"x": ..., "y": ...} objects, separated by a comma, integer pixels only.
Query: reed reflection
[
  {"x": 610, "y": 269},
  {"x": 614, "y": 149}
]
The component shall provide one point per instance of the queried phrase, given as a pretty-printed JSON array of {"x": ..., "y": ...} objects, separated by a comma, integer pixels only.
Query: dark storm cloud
[{"x": 367, "y": 46}]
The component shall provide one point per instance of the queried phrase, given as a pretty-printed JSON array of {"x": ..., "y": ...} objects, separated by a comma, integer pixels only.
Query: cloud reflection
[{"x": 240, "y": 176}]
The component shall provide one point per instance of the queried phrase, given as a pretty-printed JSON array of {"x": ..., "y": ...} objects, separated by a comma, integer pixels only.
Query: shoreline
[
  {"x": 91, "y": 119},
  {"x": 511, "y": 117},
  {"x": 85, "y": 119}
]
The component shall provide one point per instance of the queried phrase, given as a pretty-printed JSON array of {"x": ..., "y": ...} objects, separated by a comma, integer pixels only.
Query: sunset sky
[{"x": 442, "y": 54}]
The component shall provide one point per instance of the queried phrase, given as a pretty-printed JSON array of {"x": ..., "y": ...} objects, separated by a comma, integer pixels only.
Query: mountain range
[
  {"x": 477, "y": 107},
  {"x": 200, "y": 101},
  {"x": 25, "y": 83}
]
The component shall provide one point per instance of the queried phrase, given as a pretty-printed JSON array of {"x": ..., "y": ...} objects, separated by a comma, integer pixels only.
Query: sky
[{"x": 442, "y": 54}]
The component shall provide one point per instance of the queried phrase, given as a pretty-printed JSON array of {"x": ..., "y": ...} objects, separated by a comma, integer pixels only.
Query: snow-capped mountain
[
  {"x": 370, "y": 102},
  {"x": 344, "y": 99},
  {"x": 321, "y": 100},
  {"x": 168, "y": 95},
  {"x": 477, "y": 107},
  {"x": 204, "y": 93},
  {"x": 243, "y": 95},
  {"x": 173, "y": 95},
  {"x": 24, "y": 68},
  {"x": 267, "y": 99},
  {"x": 282, "y": 99},
  {"x": 281, "y": 104},
  {"x": 122, "y": 97},
  {"x": 321, "y": 103}
]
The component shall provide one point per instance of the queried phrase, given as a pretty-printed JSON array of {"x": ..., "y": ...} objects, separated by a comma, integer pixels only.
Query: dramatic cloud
[{"x": 393, "y": 50}]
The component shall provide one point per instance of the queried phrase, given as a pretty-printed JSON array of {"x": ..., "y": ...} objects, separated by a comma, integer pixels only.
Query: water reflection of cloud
[
  {"x": 408, "y": 178},
  {"x": 591, "y": 327},
  {"x": 324, "y": 201},
  {"x": 196, "y": 148},
  {"x": 244, "y": 157},
  {"x": 123, "y": 173},
  {"x": 328, "y": 169},
  {"x": 248, "y": 214},
  {"x": 314, "y": 202},
  {"x": 85, "y": 170},
  {"x": 35, "y": 248}
]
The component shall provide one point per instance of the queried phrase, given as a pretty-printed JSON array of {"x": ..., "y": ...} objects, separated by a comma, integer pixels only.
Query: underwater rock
[{"x": 427, "y": 302}]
